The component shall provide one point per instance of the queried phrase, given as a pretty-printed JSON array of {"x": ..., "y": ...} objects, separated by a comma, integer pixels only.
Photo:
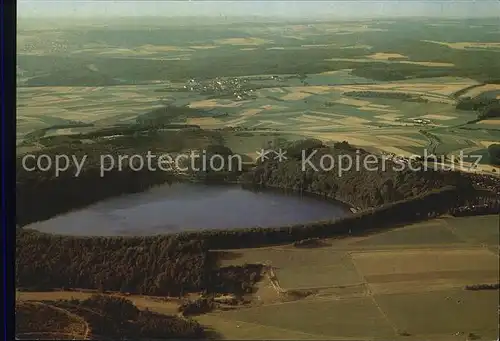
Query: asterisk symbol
[
  {"x": 262, "y": 154},
  {"x": 280, "y": 155}
]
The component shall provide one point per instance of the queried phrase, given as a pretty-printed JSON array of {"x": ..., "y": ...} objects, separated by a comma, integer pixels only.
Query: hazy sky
[{"x": 276, "y": 8}]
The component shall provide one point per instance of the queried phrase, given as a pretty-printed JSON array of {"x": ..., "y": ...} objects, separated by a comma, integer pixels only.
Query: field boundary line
[
  {"x": 371, "y": 295},
  {"x": 458, "y": 247}
]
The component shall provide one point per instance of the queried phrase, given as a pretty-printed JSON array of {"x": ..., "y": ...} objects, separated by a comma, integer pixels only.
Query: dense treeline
[
  {"x": 381, "y": 181},
  {"x": 482, "y": 209},
  {"x": 170, "y": 265},
  {"x": 155, "y": 265}
]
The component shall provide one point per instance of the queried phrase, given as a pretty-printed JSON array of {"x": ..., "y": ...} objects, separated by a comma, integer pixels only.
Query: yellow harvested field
[
  {"x": 330, "y": 72},
  {"x": 67, "y": 131},
  {"x": 235, "y": 123},
  {"x": 275, "y": 107},
  {"x": 251, "y": 112},
  {"x": 491, "y": 122},
  {"x": 480, "y": 89},
  {"x": 203, "y": 47},
  {"x": 353, "y": 102},
  {"x": 277, "y": 90},
  {"x": 271, "y": 122},
  {"x": 376, "y": 263},
  {"x": 438, "y": 117},
  {"x": 204, "y": 121},
  {"x": 243, "y": 41},
  {"x": 437, "y": 64},
  {"x": 304, "y": 119},
  {"x": 269, "y": 107},
  {"x": 295, "y": 96},
  {"x": 161, "y": 48},
  {"x": 352, "y": 120},
  {"x": 386, "y": 56},
  {"x": 425, "y": 270},
  {"x": 486, "y": 144},
  {"x": 371, "y": 108},
  {"x": 319, "y": 118},
  {"x": 212, "y": 103}
]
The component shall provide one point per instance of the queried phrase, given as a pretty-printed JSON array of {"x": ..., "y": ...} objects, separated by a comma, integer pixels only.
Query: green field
[{"x": 443, "y": 312}]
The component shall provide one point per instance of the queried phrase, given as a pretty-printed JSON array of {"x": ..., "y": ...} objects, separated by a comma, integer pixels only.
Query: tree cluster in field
[
  {"x": 476, "y": 103},
  {"x": 494, "y": 286},
  {"x": 360, "y": 187},
  {"x": 487, "y": 184},
  {"x": 198, "y": 306},
  {"x": 485, "y": 107},
  {"x": 390, "y": 95}
]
